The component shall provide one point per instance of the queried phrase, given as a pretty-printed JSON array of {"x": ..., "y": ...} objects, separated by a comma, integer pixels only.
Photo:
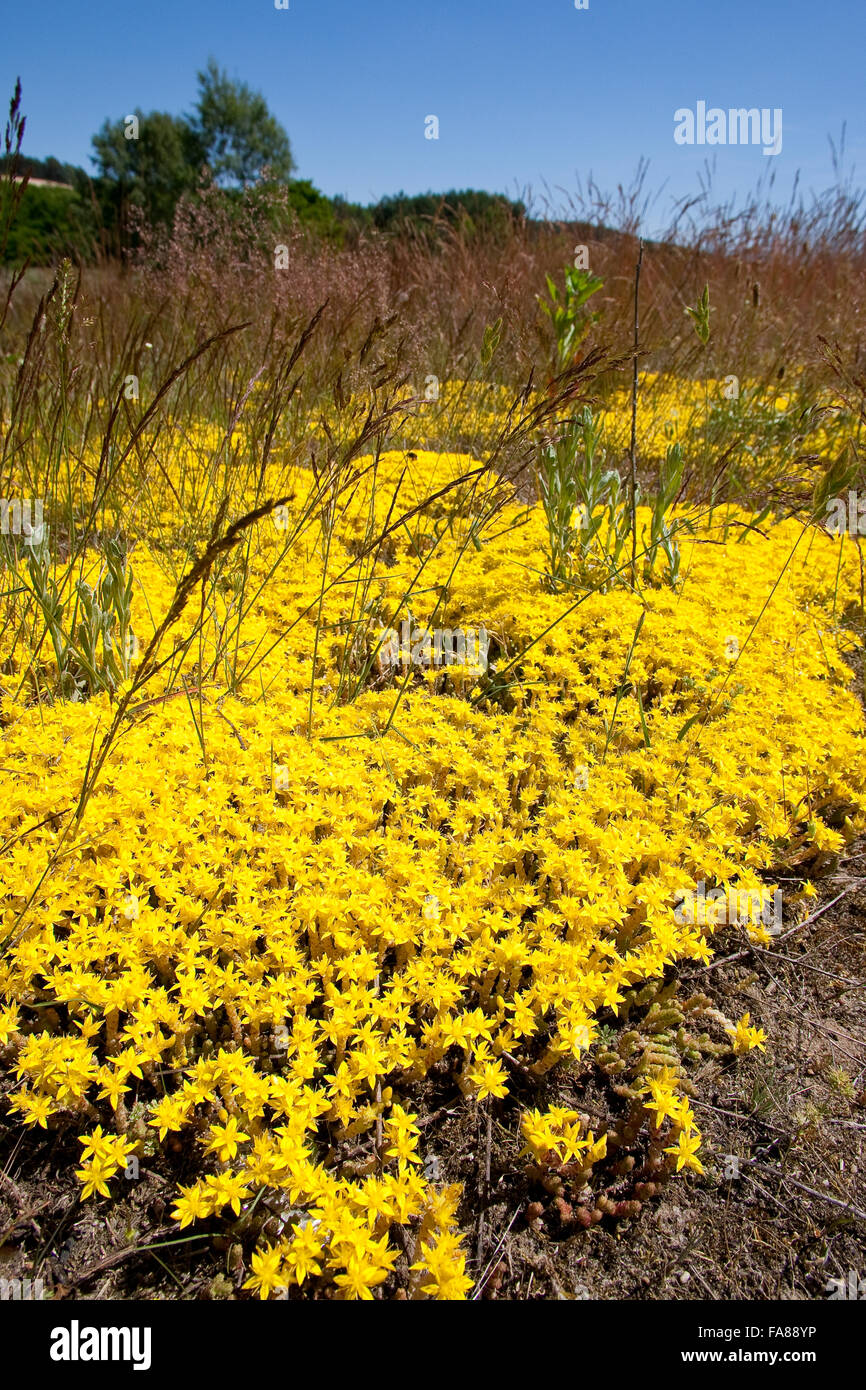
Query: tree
[
  {"x": 237, "y": 132},
  {"x": 150, "y": 161},
  {"x": 51, "y": 223},
  {"x": 147, "y": 161},
  {"x": 431, "y": 213}
]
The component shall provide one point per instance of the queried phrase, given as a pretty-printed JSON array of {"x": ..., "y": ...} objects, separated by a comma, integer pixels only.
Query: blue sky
[{"x": 529, "y": 93}]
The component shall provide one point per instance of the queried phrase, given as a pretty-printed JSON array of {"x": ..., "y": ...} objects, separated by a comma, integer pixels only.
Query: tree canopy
[
  {"x": 236, "y": 132},
  {"x": 149, "y": 163},
  {"x": 151, "y": 159}
]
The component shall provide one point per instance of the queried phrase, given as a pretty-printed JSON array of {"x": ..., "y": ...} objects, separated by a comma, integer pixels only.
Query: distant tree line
[{"x": 146, "y": 162}]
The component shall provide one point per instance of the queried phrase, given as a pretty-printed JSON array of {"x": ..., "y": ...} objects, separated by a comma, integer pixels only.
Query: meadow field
[{"x": 432, "y": 758}]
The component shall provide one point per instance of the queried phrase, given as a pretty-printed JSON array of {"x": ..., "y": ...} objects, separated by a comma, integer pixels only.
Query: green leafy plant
[
  {"x": 571, "y": 321},
  {"x": 492, "y": 338},
  {"x": 584, "y": 503},
  {"x": 587, "y": 508},
  {"x": 662, "y": 534},
  {"x": 93, "y": 651},
  {"x": 700, "y": 315},
  {"x": 558, "y": 487}
]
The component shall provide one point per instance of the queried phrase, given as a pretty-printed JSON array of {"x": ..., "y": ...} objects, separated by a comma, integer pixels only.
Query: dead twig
[
  {"x": 750, "y": 950},
  {"x": 479, "y": 1288},
  {"x": 240, "y": 738},
  {"x": 703, "y": 1283},
  {"x": 811, "y": 1192},
  {"x": 735, "y": 1115},
  {"x": 633, "y": 441},
  {"x": 484, "y": 1184},
  {"x": 792, "y": 960},
  {"x": 14, "y": 1191}
]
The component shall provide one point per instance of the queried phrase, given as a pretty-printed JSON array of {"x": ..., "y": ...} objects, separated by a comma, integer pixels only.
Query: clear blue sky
[{"x": 527, "y": 92}]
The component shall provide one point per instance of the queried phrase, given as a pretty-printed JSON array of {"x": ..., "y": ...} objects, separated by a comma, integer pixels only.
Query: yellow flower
[
  {"x": 303, "y": 1254},
  {"x": 267, "y": 1272},
  {"x": 226, "y": 1190},
  {"x": 489, "y": 1079},
  {"x": 744, "y": 1037},
  {"x": 94, "y": 1174},
  {"x": 225, "y": 1140},
  {"x": 8, "y": 1022},
  {"x": 685, "y": 1150},
  {"x": 193, "y": 1204}
]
